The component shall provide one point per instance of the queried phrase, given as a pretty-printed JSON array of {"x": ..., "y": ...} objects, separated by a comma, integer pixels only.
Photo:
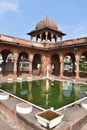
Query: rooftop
[{"x": 4, "y": 39}]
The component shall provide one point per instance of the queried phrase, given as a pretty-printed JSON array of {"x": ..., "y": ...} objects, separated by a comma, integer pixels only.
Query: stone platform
[{"x": 75, "y": 117}]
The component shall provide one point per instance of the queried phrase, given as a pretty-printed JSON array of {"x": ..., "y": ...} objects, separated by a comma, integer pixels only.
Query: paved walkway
[
  {"x": 84, "y": 127},
  {"x": 74, "y": 117},
  {"x": 81, "y": 80},
  {"x": 7, "y": 123},
  {"x": 4, "y": 125}
]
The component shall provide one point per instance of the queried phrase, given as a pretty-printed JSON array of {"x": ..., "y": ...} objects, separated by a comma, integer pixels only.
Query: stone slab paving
[
  {"x": 7, "y": 114},
  {"x": 84, "y": 127},
  {"x": 9, "y": 106},
  {"x": 4, "y": 125},
  {"x": 7, "y": 123},
  {"x": 73, "y": 116}
]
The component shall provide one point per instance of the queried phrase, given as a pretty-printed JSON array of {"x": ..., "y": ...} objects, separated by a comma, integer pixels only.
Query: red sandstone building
[{"x": 20, "y": 57}]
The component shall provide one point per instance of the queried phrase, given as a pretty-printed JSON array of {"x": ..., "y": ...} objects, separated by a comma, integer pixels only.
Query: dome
[{"x": 46, "y": 23}]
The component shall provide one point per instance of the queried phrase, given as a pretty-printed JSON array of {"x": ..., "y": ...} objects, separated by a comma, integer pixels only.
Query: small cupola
[{"x": 46, "y": 30}]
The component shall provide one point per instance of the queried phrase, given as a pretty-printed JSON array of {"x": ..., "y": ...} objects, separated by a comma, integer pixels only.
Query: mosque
[{"x": 45, "y": 47}]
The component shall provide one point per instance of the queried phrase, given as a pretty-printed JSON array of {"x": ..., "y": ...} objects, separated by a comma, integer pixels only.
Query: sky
[{"x": 18, "y": 17}]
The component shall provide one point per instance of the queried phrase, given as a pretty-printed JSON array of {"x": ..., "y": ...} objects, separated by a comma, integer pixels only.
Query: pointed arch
[
  {"x": 69, "y": 64},
  {"x": 23, "y": 63},
  {"x": 7, "y": 65},
  {"x": 36, "y": 64}
]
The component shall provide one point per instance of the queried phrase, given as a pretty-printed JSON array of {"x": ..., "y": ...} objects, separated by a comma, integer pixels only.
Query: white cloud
[
  {"x": 78, "y": 29},
  {"x": 84, "y": 35},
  {"x": 9, "y": 5},
  {"x": 81, "y": 30},
  {"x": 74, "y": 31}
]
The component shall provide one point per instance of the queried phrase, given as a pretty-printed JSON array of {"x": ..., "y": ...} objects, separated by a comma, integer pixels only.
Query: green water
[{"x": 54, "y": 94}]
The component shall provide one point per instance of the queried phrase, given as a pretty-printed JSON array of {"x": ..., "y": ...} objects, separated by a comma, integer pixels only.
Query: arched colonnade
[{"x": 66, "y": 64}]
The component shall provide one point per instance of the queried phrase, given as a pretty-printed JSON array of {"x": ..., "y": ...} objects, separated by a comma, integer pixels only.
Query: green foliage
[{"x": 83, "y": 66}]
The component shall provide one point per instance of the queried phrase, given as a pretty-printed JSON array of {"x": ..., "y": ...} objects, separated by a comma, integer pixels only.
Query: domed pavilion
[{"x": 46, "y": 30}]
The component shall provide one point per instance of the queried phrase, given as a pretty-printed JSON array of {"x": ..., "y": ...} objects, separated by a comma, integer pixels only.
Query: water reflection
[
  {"x": 67, "y": 88},
  {"x": 22, "y": 90},
  {"x": 60, "y": 96},
  {"x": 30, "y": 98},
  {"x": 45, "y": 87},
  {"x": 76, "y": 88},
  {"x": 47, "y": 93},
  {"x": 14, "y": 88}
]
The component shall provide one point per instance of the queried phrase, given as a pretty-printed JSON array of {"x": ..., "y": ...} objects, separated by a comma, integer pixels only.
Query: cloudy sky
[{"x": 17, "y": 17}]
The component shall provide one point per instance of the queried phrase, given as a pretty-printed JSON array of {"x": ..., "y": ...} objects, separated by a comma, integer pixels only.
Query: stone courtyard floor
[{"x": 75, "y": 117}]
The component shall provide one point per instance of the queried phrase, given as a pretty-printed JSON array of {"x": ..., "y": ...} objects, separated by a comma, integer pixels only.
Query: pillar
[
  {"x": 51, "y": 36},
  {"x": 77, "y": 66},
  {"x": 15, "y": 57},
  {"x": 30, "y": 68},
  {"x": 56, "y": 38},
  {"x": 35, "y": 38},
  {"x": 4, "y": 67},
  {"x": 30, "y": 38},
  {"x": 61, "y": 39},
  {"x": 49, "y": 65},
  {"x": 44, "y": 65},
  {"x": 61, "y": 66},
  {"x": 30, "y": 64},
  {"x": 46, "y": 36},
  {"x": 40, "y": 37}
]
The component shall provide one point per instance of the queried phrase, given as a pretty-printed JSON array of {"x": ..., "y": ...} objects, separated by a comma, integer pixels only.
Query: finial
[
  {"x": 46, "y": 19},
  {"x": 46, "y": 15}
]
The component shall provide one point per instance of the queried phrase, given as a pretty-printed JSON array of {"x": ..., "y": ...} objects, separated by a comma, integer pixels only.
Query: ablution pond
[{"x": 46, "y": 93}]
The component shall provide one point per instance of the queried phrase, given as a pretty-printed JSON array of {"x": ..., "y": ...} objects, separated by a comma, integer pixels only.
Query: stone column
[
  {"x": 30, "y": 38},
  {"x": 73, "y": 69},
  {"x": 77, "y": 66},
  {"x": 35, "y": 38},
  {"x": 15, "y": 57},
  {"x": 30, "y": 68},
  {"x": 51, "y": 36},
  {"x": 56, "y": 38},
  {"x": 61, "y": 66},
  {"x": 61, "y": 39},
  {"x": 40, "y": 37},
  {"x": 30, "y": 64},
  {"x": 46, "y": 36},
  {"x": 49, "y": 65},
  {"x": 43, "y": 66},
  {"x": 4, "y": 67}
]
